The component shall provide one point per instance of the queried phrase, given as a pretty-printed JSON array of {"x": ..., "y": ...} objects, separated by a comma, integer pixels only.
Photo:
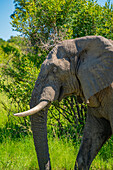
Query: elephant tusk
[{"x": 34, "y": 110}]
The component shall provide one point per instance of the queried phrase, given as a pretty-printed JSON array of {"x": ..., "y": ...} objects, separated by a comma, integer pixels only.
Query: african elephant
[{"x": 84, "y": 67}]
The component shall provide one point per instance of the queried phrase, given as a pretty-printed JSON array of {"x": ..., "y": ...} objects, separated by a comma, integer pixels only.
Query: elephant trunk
[
  {"x": 39, "y": 128},
  {"x": 39, "y": 125}
]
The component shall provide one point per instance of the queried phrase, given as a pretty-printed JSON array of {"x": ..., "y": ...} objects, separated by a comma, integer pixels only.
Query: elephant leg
[
  {"x": 96, "y": 132},
  {"x": 39, "y": 128}
]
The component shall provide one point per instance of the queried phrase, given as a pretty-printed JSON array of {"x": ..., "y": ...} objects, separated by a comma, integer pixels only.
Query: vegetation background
[{"x": 42, "y": 25}]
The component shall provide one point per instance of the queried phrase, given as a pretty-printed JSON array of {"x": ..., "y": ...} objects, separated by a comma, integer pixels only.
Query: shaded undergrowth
[{"x": 13, "y": 131}]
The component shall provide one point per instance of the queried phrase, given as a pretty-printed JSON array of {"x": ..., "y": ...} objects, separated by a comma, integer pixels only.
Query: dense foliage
[{"x": 42, "y": 24}]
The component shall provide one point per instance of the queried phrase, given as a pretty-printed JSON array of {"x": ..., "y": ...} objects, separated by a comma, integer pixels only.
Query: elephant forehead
[{"x": 62, "y": 64}]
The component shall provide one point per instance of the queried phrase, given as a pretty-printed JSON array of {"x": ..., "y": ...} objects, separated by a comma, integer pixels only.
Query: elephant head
[{"x": 80, "y": 66}]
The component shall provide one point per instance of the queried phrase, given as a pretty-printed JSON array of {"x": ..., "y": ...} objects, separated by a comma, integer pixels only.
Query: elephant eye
[{"x": 54, "y": 69}]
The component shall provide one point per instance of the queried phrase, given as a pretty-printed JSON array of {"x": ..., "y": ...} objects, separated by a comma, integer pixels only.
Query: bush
[{"x": 43, "y": 24}]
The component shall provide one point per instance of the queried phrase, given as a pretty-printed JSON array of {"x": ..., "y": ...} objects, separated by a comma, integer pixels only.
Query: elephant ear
[{"x": 95, "y": 70}]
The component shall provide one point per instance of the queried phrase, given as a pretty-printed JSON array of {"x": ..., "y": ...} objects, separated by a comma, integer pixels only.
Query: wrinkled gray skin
[{"x": 83, "y": 67}]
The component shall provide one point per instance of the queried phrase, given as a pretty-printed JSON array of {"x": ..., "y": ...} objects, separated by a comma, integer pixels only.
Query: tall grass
[
  {"x": 19, "y": 154},
  {"x": 63, "y": 154}
]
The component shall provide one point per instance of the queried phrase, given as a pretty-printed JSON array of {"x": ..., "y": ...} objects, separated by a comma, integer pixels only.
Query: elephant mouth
[
  {"x": 61, "y": 94},
  {"x": 64, "y": 93}
]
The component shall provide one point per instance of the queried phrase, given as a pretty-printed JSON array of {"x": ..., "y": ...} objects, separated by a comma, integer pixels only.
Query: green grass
[
  {"x": 19, "y": 154},
  {"x": 63, "y": 154}
]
